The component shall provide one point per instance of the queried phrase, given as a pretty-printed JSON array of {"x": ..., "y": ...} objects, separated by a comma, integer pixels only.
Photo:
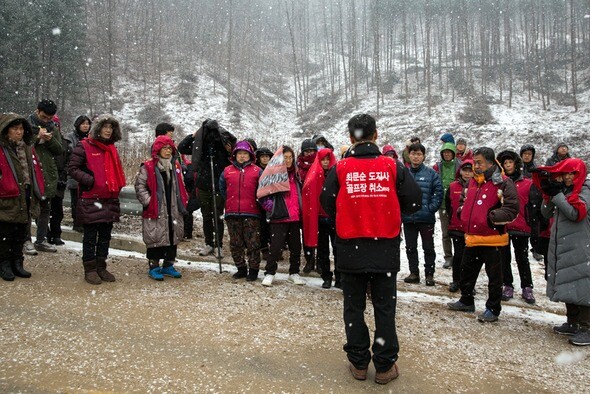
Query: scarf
[
  {"x": 112, "y": 166},
  {"x": 152, "y": 166}
]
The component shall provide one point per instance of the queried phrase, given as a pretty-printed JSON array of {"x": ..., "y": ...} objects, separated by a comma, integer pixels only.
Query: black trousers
[
  {"x": 96, "y": 240},
  {"x": 289, "y": 232},
  {"x": 426, "y": 232},
  {"x": 459, "y": 246},
  {"x": 473, "y": 259},
  {"x": 579, "y": 314},
  {"x": 208, "y": 212},
  {"x": 189, "y": 221},
  {"x": 521, "y": 255},
  {"x": 384, "y": 299},
  {"x": 326, "y": 237},
  {"x": 12, "y": 239},
  {"x": 74, "y": 204},
  {"x": 166, "y": 253},
  {"x": 56, "y": 216}
]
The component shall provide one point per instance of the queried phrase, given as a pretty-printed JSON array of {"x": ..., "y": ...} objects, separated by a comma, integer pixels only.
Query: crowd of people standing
[{"x": 354, "y": 205}]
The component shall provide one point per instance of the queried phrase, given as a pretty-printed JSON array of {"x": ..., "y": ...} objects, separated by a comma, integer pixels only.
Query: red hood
[
  {"x": 160, "y": 142},
  {"x": 568, "y": 165}
]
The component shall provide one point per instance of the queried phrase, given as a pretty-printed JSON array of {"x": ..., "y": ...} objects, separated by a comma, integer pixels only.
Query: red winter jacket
[
  {"x": 521, "y": 226},
  {"x": 239, "y": 184},
  {"x": 487, "y": 208},
  {"x": 453, "y": 201}
]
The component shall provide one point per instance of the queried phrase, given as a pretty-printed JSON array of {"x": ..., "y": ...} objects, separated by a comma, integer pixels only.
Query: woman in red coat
[{"x": 96, "y": 166}]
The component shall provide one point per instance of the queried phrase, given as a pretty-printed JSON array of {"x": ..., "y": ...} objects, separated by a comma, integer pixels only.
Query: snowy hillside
[{"x": 525, "y": 122}]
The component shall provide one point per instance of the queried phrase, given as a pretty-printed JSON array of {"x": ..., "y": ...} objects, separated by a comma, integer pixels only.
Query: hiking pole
[{"x": 215, "y": 218}]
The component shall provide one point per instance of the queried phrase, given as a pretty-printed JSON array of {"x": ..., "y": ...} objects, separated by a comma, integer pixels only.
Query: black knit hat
[
  {"x": 263, "y": 151},
  {"x": 308, "y": 144}
]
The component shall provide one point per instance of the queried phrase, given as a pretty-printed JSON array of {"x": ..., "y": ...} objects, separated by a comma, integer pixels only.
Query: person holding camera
[
  {"x": 210, "y": 147},
  {"x": 48, "y": 145},
  {"x": 566, "y": 195}
]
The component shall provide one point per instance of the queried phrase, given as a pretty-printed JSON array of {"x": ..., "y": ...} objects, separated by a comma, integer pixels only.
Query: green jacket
[
  {"x": 47, "y": 152},
  {"x": 447, "y": 169},
  {"x": 14, "y": 210}
]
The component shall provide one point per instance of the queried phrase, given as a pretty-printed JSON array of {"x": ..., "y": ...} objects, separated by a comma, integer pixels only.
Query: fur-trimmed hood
[
  {"x": 99, "y": 122},
  {"x": 7, "y": 119}
]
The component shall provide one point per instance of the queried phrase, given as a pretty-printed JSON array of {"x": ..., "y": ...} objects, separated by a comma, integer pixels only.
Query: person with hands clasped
[
  {"x": 566, "y": 193},
  {"x": 488, "y": 204}
]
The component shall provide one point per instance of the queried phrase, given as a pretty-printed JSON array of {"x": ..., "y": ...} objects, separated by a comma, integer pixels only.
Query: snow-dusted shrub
[
  {"x": 477, "y": 113},
  {"x": 153, "y": 115}
]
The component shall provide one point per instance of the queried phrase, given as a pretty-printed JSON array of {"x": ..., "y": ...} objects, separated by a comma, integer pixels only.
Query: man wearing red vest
[{"x": 367, "y": 192}]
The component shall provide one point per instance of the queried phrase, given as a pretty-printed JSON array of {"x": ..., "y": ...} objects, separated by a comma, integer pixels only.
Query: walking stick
[{"x": 215, "y": 218}]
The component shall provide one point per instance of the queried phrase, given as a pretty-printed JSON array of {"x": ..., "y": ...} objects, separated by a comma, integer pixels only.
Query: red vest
[
  {"x": 523, "y": 187},
  {"x": 8, "y": 183},
  {"x": 367, "y": 205},
  {"x": 95, "y": 158},
  {"x": 241, "y": 186},
  {"x": 455, "y": 190}
]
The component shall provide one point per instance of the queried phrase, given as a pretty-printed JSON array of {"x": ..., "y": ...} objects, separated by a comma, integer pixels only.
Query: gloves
[{"x": 551, "y": 187}]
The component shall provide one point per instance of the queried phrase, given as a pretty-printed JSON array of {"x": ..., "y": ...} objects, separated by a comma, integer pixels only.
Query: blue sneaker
[
  {"x": 156, "y": 273},
  {"x": 488, "y": 316},
  {"x": 171, "y": 272}
]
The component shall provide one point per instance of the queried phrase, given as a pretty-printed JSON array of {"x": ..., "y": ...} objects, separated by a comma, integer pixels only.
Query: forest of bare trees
[{"x": 311, "y": 52}]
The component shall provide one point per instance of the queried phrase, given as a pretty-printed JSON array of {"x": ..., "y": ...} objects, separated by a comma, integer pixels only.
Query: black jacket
[{"x": 362, "y": 255}]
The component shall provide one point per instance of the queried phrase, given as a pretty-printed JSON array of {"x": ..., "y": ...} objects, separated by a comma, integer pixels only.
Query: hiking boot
[
  {"x": 101, "y": 270},
  {"x": 252, "y": 275},
  {"x": 56, "y": 241},
  {"x": 45, "y": 247},
  {"x": 488, "y": 316},
  {"x": 78, "y": 229},
  {"x": 567, "y": 329},
  {"x": 527, "y": 295},
  {"x": 29, "y": 249},
  {"x": 454, "y": 287},
  {"x": 358, "y": 374},
  {"x": 539, "y": 257},
  {"x": 327, "y": 283},
  {"x": 412, "y": 278},
  {"x": 6, "y": 271},
  {"x": 156, "y": 274},
  {"x": 429, "y": 280},
  {"x": 461, "y": 307},
  {"x": 206, "y": 250},
  {"x": 448, "y": 262},
  {"x": 170, "y": 271},
  {"x": 387, "y": 376},
  {"x": 338, "y": 284},
  {"x": 90, "y": 274},
  {"x": 507, "y": 293},
  {"x": 267, "y": 281},
  {"x": 241, "y": 273},
  {"x": 309, "y": 266},
  {"x": 582, "y": 338},
  {"x": 296, "y": 279},
  {"x": 18, "y": 269}
]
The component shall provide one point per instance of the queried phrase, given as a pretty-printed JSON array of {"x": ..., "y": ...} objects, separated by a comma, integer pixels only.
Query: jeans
[
  {"x": 383, "y": 294},
  {"x": 43, "y": 220},
  {"x": 426, "y": 231}
]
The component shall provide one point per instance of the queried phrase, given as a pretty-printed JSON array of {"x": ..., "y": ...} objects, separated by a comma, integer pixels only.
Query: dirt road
[{"x": 209, "y": 333}]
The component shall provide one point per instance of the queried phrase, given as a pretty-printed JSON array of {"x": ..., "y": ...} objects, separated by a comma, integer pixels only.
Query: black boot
[
  {"x": 310, "y": 264},
  {"x": 18, "y": 269},
  {"x": 6, "y": 271},
  {"x": 242, "y": 272},
  {"x": 252, "y": 275}
]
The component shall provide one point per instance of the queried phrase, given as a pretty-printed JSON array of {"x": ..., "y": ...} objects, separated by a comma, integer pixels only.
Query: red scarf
[
  {"x": 115, "y": 177},
  {"x": 152, "y": 210},
  {"x": 576, "y": 166},
  {"x": 312, "y": 188}
]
